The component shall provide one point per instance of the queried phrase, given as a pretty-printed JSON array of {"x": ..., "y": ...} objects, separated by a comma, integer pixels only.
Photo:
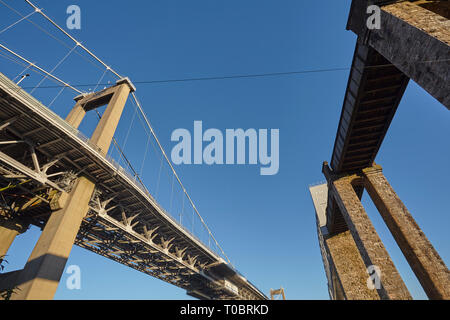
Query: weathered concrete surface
[
  {"x": 350, "y": 268},
  {"x": 344, "y": 268},
  {"x": 43, "y": 270},
  {"x": 76, "y": 115},
  {"x": 7, "y": 237},
  {"x": 412, "y": 38},
  {"x": 9, "y": 229},
  {"x": 417, "y": 42},
  {"x": 106, "y": 127},
  {"x": 367, "y": 240},
  {"x": 319, "y": 195},
  {"x": 337, "y": 290},
  {"x": 424, "y": 260},
  {"x": 433, "y": 24},
  {"x": 9, "y": 279}
]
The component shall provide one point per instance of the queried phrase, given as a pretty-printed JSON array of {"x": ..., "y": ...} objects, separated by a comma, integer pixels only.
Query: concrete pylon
[
  {"x": 345, "y": 270},
  {"x": 9, "y": 229},
  {"x": 45, "y": 266},
  {"x": 424, "y": 260},
  {"x": 412, "y": 35},
  {"x": 7, "y": 237},
  {"x": 340, "y": 257},
  {"x": 76, "y": 115},
  {"x": 104, "y": 132},
  {"x": 43, "y": 270}
]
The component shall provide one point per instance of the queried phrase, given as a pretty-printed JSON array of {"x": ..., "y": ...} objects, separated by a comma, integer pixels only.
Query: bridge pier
[
  {"x": 424, "y": 260},
  {"x": 412, "y": 42},
  {"x": 45, "y": 266},
  {"x": 366, "y": 239},
  {"x": 76, "y": 115},
  {"x": 345, "y": 269},
  {"x": 40, "y": 277},
  {"x": 10, "y": 228},
  {"x": 350, "y": 252},
  {"x": 7, "y": 237},
  {"x": 349, "y": 273}
]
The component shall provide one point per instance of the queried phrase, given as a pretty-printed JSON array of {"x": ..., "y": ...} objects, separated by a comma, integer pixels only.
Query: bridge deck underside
[{"x": 374, "y": 90}]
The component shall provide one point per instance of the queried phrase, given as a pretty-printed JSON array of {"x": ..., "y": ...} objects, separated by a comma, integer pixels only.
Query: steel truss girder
[
  {"x": 140, "y": 252},
  {"x": 38, "y": 173}
]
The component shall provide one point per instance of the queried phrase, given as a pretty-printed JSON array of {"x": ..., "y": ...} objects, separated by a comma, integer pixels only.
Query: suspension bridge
[{"x": 86, "y": 191}]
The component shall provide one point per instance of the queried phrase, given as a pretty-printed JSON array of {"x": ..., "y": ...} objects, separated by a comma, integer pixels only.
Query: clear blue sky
[{"x": 265, "y": 224}]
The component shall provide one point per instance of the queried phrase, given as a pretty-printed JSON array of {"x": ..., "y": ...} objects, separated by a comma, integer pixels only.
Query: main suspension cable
[
  {"x": 72, "y": 38},
  {"x": 39, "y": 68}
]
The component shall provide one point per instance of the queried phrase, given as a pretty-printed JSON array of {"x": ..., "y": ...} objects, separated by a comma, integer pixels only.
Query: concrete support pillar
[
  {"x": 367, "y": 240},
  {"x": 115, "y": 97},
  {"x": 77, "y": 114},
  {"x": 350, "y": 280},
  {"x": 104, "y": 132},
  {"x": 336, "y": 287},
  {"x": 43, "y": 270},
  {"x": 9, "y": 229},
  {"x": 424, "y": 260},
  {"x": 7, "y": 237}
]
